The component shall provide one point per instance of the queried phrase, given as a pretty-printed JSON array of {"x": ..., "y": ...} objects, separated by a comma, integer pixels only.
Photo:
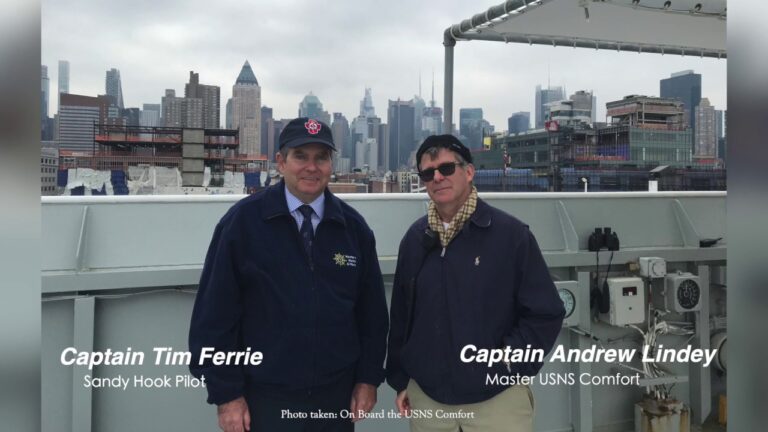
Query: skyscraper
[
  {"x": 686, "y": 87},
  {"x": 471, "y": 127},
  {"x": 228, "y": 115},
  {"x": 191, "y": 112},
  {"x": 519, "y": 122},
  {"x": 366, "y": 105},
  {"x": 722, "y": 141},
  {"x": 246, "y": 110},
  {"x": 45, "y": 91},
  {"x": 358, "y": 132},
  {"x": 77, "y": 114},
  {"x": 109, "y": 112},
  {"x": 432, "y": 120},
  {"x": 181, "y": 112},
  {"x": 365, "y": 134},
  {"x": 383, "y": 140},
  {"x": 340, "y": 132},
  {"x": 132, "y": 116},
  {"x": 706, "y": 130},
  {"x": 418, "y": 117},
  {"x": 719, "y": 125},
  {"x": 63, "y": 86},
  {"x": 209, "y": 96},
  {"x": 543, "y": 97},
  {"x": 46, "y": 123},
  {"x": 366, "y": 154},
  {"x": 311, "y": 107},
  {"x": 114, "y": 87},
  {"x": 171, "y": 109},
  {"x": 150, "y": 115},
  {"x": 402, "y": 142},
  {"x": 267, "y": 133},
  {"x": 364, "y": 146}
]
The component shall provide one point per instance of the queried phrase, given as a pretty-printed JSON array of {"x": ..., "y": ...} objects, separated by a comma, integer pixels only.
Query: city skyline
[{"x": 337, "y": 65}]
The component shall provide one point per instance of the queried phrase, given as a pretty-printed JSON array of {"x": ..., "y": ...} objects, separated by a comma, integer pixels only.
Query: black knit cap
[
  {"x": 449, "y": 142},
  {"x": 303, "y": 130}
]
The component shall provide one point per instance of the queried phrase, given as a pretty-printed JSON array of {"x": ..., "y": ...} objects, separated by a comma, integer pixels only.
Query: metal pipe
[
  {"x": 449, "y": 42},
  {"x": 468, "y": 30}
]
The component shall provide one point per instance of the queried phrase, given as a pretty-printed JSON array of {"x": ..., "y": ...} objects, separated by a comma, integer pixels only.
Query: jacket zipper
[
  {"x": 449, "y": 329},
  {"x": 314, "y": 292}
]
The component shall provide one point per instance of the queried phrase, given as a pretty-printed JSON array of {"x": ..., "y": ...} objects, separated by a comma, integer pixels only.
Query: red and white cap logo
[{"x": 313, "y": 127}]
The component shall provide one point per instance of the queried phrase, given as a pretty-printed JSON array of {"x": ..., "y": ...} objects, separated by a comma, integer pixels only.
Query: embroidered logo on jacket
[{"x": 342, "y": 260}]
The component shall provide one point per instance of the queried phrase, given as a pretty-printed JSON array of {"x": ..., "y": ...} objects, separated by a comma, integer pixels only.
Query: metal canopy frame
[{"x": 676, "y": 27}]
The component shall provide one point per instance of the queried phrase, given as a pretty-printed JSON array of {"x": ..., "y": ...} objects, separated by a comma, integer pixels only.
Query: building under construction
[
  {"x": 643, "y": 133},
  {"x": 191, "y": 151},
  {"x": 646, "y": 130}
]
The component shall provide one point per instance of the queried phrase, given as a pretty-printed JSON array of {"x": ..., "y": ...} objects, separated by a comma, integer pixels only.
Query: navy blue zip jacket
[
  {"x": 313, "y": 318},
  {"x": 490, "y": 288}
]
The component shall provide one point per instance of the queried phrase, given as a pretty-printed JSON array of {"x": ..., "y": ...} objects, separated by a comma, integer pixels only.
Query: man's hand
[
  {"x": 403, "y": 404},
  {"x": 363, "y": 399},
  {"x": 234, "y": 416}
]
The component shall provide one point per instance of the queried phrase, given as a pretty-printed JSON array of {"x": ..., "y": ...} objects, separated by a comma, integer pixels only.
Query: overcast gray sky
[{"x": 335, "y": 50}]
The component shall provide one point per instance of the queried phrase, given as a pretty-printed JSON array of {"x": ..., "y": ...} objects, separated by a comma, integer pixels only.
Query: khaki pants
[{"x": 508, "y": 411}]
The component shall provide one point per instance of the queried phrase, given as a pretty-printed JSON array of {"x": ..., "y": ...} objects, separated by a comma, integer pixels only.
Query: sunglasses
[{"x": 445, "y": 169}]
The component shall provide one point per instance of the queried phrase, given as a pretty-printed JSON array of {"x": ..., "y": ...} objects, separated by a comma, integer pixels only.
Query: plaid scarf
[{"x": 466, "y": 210}]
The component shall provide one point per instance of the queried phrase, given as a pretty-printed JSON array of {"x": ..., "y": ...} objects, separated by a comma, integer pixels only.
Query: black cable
[
  {"x": 604, "y": 297},
  {"x": 597, "y": 269},
  {"x": 610, "y": 260},
  {"x": 594, "y": 298}
]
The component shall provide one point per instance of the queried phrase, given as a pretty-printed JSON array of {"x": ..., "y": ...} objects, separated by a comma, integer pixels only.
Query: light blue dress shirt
[{"x": 318, "y": 205}]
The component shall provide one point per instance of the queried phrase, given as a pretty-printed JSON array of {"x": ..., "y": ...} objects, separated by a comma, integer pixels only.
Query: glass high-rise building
[
  {"x": 267, "y": 133},
  {"x": 402, "y": 142},
  {"x": 114, "y": 87},
  {"x": 311, "y": 107},
  {"x": 366, "y": 105},
  {"x": 340, "y": 132},
  {"x": 63, "y": 78},
  {"x": 45, "y": 91},
  {"x": 684, "y": 86},
  {"x": 150, "y": 115},
  {"x": 543, "y": 97},
  {"x": 471, "y": 127},
  {"x": 519, "y": 122}
]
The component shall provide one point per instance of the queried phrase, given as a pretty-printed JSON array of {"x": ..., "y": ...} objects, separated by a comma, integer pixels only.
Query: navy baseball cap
[
  {"x": 303, "y": 130},
  {"x": 449, "y": 142}
]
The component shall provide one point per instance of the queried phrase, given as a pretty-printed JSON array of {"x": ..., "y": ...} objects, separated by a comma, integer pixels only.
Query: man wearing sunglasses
[{"x": 468, "y": 277}]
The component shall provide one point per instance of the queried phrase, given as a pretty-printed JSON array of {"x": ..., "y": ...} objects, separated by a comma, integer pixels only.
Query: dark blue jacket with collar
[
  {"x": 490, "y": 288},
  {"x": 313, "y": 318}
]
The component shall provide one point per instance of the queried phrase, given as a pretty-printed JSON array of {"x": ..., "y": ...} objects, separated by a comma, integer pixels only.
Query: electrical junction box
[
  {"x": 682, "y": 292},
  {"x": 627, "y": 301},
  {"x": 568, "y": 294},
  {"x": 653, "y": 267}
]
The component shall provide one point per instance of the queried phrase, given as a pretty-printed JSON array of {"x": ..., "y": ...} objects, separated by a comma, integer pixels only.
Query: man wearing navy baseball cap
[{"x": 292, "y": 272}]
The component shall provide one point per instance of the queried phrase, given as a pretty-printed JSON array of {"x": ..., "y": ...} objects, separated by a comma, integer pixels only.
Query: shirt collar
[
  {"x": 318, "y": 205},
  {"x": 276, "y": 204}
]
